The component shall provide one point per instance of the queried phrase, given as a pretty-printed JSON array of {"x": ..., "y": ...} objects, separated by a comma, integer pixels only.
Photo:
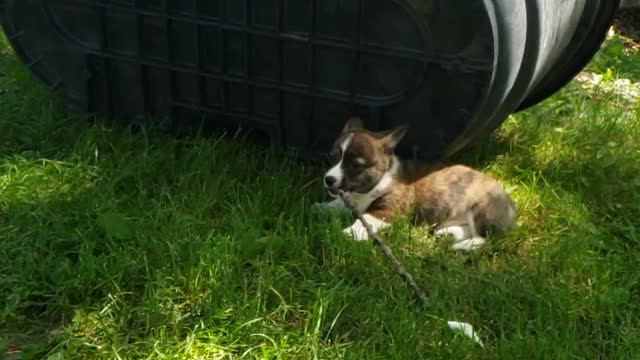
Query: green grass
[{"x": 115, "y": 244}]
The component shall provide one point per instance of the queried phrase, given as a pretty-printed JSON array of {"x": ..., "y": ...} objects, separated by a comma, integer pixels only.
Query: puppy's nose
[{"x": 329, "y": 181}]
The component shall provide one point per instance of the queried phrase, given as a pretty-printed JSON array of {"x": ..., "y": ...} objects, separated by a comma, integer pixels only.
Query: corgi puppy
[{"x": 458, "y": 201}]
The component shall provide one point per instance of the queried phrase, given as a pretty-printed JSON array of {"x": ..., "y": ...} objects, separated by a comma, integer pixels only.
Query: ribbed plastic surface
[{"x": 296, "y": 69}]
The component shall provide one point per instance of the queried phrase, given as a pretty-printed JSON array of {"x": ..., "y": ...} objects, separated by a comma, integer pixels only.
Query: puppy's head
[{"x": 360, "y": 158}]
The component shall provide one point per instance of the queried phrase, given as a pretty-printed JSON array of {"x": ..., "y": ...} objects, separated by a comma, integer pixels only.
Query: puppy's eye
[
  {"x": 358, "y": 163},
  {"x": 334, "y": 155}
]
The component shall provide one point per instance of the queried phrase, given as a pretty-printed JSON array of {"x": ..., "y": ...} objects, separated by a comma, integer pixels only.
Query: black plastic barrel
[{"x": 296, "y": 69}]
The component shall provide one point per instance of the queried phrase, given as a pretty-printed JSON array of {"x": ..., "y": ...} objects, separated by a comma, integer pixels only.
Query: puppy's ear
[
  {"x": 393, "y": 137},
  {"x": 354, "y": 123}
]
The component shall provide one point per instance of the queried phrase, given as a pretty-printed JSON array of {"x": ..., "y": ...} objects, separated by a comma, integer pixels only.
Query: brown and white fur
[{"x": 459, "y": 201}]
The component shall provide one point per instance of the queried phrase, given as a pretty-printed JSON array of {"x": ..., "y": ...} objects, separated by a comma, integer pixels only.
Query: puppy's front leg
[{"x": 359, "y": 232}]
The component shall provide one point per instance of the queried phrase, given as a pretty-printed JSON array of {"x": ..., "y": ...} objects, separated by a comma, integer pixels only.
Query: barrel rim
[{"x": 591, "y": 46}]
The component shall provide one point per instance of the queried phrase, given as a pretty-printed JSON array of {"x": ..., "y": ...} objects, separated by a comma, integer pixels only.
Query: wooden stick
[{"x": 419, "y": 293}]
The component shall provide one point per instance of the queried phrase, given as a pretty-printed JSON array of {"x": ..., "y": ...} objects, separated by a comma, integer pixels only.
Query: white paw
[
  {"x": 470, "y": 244},
  {"x": 319, "y": 206},
  {"x": 335, "y": 205},
  {"x": 357, "y": 231},
  {"x": 458, "y": 232}
]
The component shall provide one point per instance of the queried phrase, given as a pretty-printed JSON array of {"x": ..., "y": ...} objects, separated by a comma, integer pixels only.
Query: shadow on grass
[{"x": 163, "y": 233}]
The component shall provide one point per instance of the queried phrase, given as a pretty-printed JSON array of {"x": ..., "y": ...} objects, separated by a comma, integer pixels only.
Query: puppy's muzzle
[
  {"x": 331, "y": 184},
  {"x": 330, "y": 181}
]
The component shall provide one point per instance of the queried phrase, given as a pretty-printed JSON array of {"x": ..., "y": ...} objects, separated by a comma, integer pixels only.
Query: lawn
[{"x": 124, "y": 245}]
